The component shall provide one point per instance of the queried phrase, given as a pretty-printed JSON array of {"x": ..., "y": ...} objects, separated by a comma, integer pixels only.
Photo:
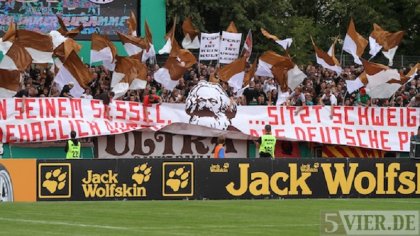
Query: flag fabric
[
  {"x": 38, "y": 45},
  {"x": 413, "y": 72},
  {"x": 132, "y": 24},
  {"x": 282, "y": 97},
  {"x": 178, "y": 62},
  {"x": 354, "y": 43},
  {"x": 250, "y": 73},
  {"x": 8, "y": 38},
  {"x": 73, "y": 70},
  {"x": 190, "y": 40},
  {"x": 102, "y": 49},
  {"x": 66, "y": 33},
  {"x": 234, "y": 73},
  {"x": 377, "y": 75},
  {"x": 247, "y": 48},
  {"x": 150, "y": 52},
  {"x": 64, "y": 49},
  {"x": 353, "y": 85},
  {"x": 232, "y": 28},
  {"x": 285, "y": 43},
  {"x": 325, "y": 60},
  {"x": 295, "y": 77},
  {"x": 268, "y": 59},
  {"x": 133, "y": 45},
  {"x": 331, "y": 52},
  {"x": 169, "y": 37},
  {"x": 385, "y": 90},
  {"x": 209, "y": 46},
  {"x": 9, "y": 82},
  {"x": 388, "y": 42},
  {"x": 230, "y": 44},
  {"x": 16, "y": 58},
  {"x": 129, "y": 73}
]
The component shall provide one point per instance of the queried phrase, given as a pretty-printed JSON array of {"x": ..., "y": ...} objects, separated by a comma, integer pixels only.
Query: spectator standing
[
  {"x": 219, "y": 150},
  {"x": 266, "y": 143},
  {"x": 73, "y": 147}
]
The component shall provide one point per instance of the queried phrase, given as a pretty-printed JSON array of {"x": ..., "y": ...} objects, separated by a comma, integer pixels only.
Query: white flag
[
  {"x": 209, "y": 46},
  {"x": 229, "y": 47}
]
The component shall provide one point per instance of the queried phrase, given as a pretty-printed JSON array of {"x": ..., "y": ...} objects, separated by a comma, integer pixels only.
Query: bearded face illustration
[{"x": 208, "y": 105}]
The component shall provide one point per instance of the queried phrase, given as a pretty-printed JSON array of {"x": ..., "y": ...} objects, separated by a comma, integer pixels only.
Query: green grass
[{"x": 235, "y": 217}]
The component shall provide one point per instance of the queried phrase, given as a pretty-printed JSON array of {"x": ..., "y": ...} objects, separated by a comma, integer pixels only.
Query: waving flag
[
  {"x": 169, "y": 37},
  {"x": 190, "y": 40},
  {"x": 178, "y": 62},
  {"x": 16, "y": 58},
  {"x": 285, "y": 43},
  {"x": 150, "y": 52},
  {"x": 132, "y": 24},
  {"x": 129, "y": 73},
  {"x": 354, "y": 43},
  {"x": 325, "y": 60},
  {"x": 247, "y": 49},
  {"x": 102, "y": 49},
  {"x": 234, "y": 73},
  {"x": 39, "y": 46},
  {"x": 388, "y": 42},
  {"x": 73, "y": 70},
  {"x": 66, "y": 33}
]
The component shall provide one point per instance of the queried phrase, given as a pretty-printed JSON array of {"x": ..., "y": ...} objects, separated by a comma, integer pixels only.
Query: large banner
[
  {"x": 229, "y": 47},
  {"x": 51, "y": 119},
  {"x": 155, "y": 179},
  {"x": 101, "y": 16},
  {"x": 209, "y": 46},
  {"x": 164, "y": 145}
]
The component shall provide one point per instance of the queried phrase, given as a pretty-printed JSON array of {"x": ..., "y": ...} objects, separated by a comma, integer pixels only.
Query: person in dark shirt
[
  {"x": 65, "y": 92},
  {"x": 250, "y": 93}
]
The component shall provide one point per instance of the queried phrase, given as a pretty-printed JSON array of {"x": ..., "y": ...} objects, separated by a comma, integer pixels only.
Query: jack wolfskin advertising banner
[
  {"x": 114, "y": 179},
  {"x": 150, "y": 179}
]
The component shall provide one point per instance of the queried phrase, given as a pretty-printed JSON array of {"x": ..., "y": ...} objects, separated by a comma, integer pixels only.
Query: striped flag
[
  {"x": 169, "y": 37},
  {"x": 354, "y": 43},
  {"x": 132, "y": 24},
  {"x": 247, "y": 49},
  {"x": 150, "y": 53},
  {"x": 129, "y": 73},
  {"x": 66, "y": 33},
  {"x": 378, "y": 76}
]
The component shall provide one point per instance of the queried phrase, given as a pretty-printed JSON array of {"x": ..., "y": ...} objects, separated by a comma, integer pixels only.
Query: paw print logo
[
  {"x": 178, "y": 178},
  {"x": 141, "y": 173},
  {"x": 55, "y": 180}
]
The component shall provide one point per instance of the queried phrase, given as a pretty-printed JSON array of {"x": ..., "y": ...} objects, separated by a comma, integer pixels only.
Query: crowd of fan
[{"x": 321, "y": 87}]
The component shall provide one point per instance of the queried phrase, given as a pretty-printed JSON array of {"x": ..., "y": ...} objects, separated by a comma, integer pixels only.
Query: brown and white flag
[
  {"x": 8, "y": 38},
  {"x": 281, "y": 65},
  {"x": 150, "y": 53},
  {"x": 132, "y": 24},
  {"x": 133, "y": 45},
  {"x": 285, "y": 43},
  {"x": 354, "y": 43},
  {"x": 169, "y": 37},
  {"x": 65, "y": 32},
  {"x": 129, "y": 73},
  {"x": 9, "y": 82},
  {"x": 16, "y": 58},
  {"x": 38, "y": 45},
  {"x": 249, "y": 75},
  {"x": 234, "y": 73},
  {"x": 377, "y": 76},
  {"x": 178, "y": 62},
  {"x": 383, "y": 40},
  {"x": 102, "y": 49},
  {"x": 331, "y": 52},
  {"x": 191, "y": 33},
  {"x": 325, "y": 60},
  {"x": 73, "y": 71}
]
